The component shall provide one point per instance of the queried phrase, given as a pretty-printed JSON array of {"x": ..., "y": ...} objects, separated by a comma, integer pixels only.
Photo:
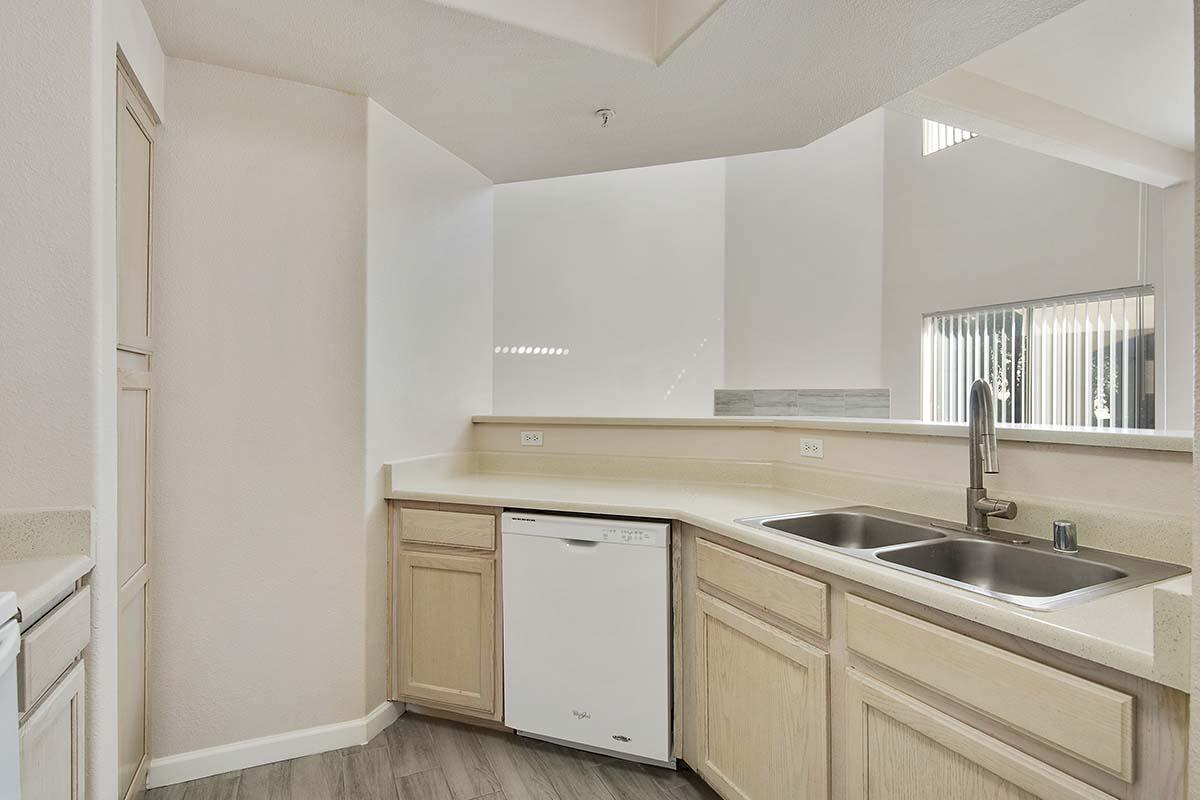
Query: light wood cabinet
[
  {"x": 802, "y": 684},
  {"x": 134, "y": 203},
  {"x": 446, "y": 630},
  {"x": 762, "y": 715},
  {"x": 898, "y": 748},
  {"x": 52, "y": 745}
]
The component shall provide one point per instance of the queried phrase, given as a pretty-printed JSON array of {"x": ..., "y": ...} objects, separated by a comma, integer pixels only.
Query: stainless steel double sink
[{"x": 1025, "y": 571}]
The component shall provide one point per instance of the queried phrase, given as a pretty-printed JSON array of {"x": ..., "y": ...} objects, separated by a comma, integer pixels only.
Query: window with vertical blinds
[{"x": 1083, "y": 360}]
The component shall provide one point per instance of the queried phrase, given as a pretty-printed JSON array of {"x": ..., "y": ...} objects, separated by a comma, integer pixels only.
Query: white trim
[{"x": 269, "y": 749}]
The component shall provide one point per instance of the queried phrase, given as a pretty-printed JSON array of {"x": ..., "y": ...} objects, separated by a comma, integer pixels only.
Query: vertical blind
[
  {"x": 937, "y": 136},
  {"x": 1084, "y": 360}
]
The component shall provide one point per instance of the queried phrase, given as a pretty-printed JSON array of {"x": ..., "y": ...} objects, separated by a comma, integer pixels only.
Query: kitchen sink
[
  {"x": 1004, "y": 568},
  {"x": 852, "y": 529},
  {"x": 1018, "y": 569}
]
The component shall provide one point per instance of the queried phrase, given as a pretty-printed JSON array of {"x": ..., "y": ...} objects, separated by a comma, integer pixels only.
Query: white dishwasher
[
  {"x": 587, "y": 633},
  {"x": 10, "y": 748}
]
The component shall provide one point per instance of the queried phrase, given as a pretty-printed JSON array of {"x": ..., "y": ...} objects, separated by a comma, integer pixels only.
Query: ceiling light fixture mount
[{"x": 605, "y": 114}]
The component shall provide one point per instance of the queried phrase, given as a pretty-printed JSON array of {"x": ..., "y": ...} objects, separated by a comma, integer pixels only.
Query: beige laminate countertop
[
  {"x": 1118, "y": 631},
  {"x": 39, "y": 582}
]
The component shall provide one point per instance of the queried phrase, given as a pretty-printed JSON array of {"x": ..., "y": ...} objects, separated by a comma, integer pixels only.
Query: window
[
  {"x": 937, "y": 136},
  {"x": 1084, "y": 360}
]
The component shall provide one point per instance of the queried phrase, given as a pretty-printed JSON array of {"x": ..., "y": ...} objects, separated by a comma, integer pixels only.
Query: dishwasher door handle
[{"x": 580, "y": 544}]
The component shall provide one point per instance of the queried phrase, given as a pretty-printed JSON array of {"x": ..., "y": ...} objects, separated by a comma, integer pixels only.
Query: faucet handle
[{"x": 1065, "y": 539}]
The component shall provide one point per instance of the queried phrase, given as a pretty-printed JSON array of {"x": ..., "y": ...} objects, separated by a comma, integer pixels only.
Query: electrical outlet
[
  {"x": 531, "y": 438},
  {"x": 812, "y": 448}
]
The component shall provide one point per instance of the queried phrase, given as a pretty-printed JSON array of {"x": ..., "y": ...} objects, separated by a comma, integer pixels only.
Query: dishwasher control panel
[
  {"x": 627, "y": 535},
  {"x": 587, "y": 529}
]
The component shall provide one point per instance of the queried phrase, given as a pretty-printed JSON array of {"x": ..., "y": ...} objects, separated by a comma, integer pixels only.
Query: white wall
[
  {"x": 428, "y": 325},
  {"x": 987, "y": 222},
  {"x": 52, "y": 284},
  {"x": 831, "y": 254},
  {"x": 49, "y": 261},
  {"x": 1175, "y": 228},
  {"x": 626, "y": 269},
  {"x": 804, "y": 263},
  {"x": 259, "y": 442}
]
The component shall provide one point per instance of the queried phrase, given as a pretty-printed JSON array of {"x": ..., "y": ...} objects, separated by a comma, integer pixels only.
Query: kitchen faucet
[{"x": 981, "y": 438}]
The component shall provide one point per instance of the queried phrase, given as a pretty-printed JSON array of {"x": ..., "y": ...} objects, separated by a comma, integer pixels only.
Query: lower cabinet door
[
  {"x": 447, "y": 630},
  {"x": 763, "y": 708},
  {"x": 898, "y": 748},
  {"x": 52, "y": 742}
]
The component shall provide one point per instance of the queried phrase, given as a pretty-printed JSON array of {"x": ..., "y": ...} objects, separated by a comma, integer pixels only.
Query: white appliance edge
[{"x": 10, "y": 748}]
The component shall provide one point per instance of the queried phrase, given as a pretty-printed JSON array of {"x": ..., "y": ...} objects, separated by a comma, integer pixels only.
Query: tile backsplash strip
[{"x": 859, "y": 403}]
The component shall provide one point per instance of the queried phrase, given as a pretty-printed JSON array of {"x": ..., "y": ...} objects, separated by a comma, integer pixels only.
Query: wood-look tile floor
[{"x": 422, "y": 758}]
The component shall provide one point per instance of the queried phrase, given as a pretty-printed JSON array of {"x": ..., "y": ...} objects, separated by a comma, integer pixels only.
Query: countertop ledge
[
  {"x": 38, "y": 582},
  {"x": 1119, "y": 631},
  {"x": 1170, "y": 441}
]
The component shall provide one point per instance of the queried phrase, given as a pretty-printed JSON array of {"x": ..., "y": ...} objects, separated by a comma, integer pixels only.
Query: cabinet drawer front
[
  {"x": 450, "y": 528},
  {"x": 793, "y": 597},
  {"x": 899, "y": 747},
  {"x": 1086, "y": 720},
  {"x": 51, "y": 646}
]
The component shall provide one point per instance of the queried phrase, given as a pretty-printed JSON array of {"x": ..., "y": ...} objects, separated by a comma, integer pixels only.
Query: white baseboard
[{"x": 269, "y": 749}]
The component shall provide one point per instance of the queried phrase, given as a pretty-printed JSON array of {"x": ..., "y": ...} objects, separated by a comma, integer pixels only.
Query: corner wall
[
  {"x": 323, "y": 305},
  {"x": 259, "y": 416},
  {"x": 428, "y": 326}
]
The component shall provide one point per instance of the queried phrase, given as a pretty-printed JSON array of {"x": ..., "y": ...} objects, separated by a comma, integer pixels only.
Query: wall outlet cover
[
  {"x": 531, "y": 438},
  {"x": 812, "y": 448}
]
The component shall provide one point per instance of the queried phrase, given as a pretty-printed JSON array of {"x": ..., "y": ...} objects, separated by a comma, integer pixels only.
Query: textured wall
[
  {"x": 429, "y": 325},
  {"x": 259, "y": 446},
  {"x": 626, "y": 270},
  {"x": 48, "y": 262},
  {"x": 804, "y": 263}
]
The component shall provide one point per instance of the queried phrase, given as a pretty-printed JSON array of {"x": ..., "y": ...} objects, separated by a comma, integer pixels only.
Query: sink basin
[
  {"x": 1003, "y": 568},
  {"x": 1025, "y": 571},
  {"x": 851, "y": 529}
]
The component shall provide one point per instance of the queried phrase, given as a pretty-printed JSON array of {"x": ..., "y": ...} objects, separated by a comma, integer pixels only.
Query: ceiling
[
  {"x": 756, "y": 75},
  {"x": 1126, "y": 62}
]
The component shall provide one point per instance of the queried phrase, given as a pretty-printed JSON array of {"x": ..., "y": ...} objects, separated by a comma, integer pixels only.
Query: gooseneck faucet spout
[{"x": 981, "y": 443}]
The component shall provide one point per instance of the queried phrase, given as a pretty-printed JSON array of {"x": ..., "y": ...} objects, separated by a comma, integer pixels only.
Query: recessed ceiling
[
  {"x": 517, "y": 104},
  {"x": 1129, "y": 63},
  {"x": 646, "y": 30}
]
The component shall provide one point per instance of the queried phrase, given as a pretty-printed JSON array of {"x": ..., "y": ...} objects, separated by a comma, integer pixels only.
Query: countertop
[
  {"x": 38, "y": 582},
  {"x": 1118, "y": 630},
  {"x": 8, "y": 606}
]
